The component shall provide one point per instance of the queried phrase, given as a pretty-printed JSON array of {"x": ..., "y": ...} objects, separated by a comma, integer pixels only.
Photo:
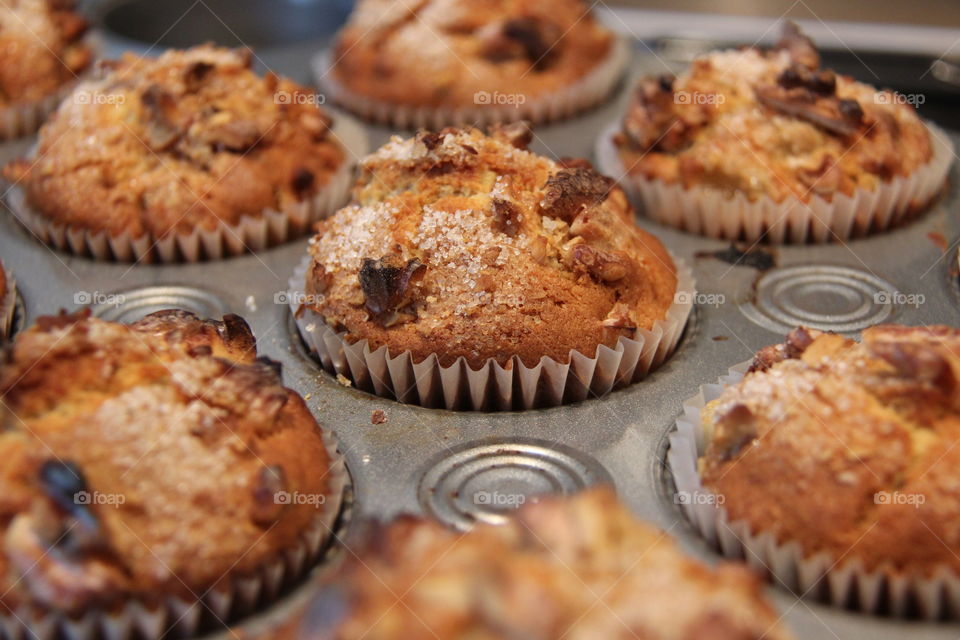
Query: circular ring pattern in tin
[
  {"x": 484, "y": 482},
  {"x": 827, "y": 297},
  {"x": 130, "y": 306}
]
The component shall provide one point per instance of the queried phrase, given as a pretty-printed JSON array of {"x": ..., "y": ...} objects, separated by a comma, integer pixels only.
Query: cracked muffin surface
[
  {"x": 846, "y": 447},
  {"x": 185, "y": 141},
  {"x": 442, "y": 52},
  {"x": 41, "y": 49},
  {"x": 770, "y": 123},
  {"x": 143, "y": 461},
  {"x": 467, "y": 245},
  {"x": 537, "y": 576}
]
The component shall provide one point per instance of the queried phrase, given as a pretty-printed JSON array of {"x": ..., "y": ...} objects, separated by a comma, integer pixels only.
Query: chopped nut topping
[
  {"x": 195, "y": 75},
  {"x": 602, "y": 265},
  {"x": 519, "y": 134},
  {"x": 161, "y": 132},
  {"x": 800, "y": 47},
  {"x": 569, "y": 190},
  {"x": 378, "y": 417},
  {"x": 506, "y": 217}
]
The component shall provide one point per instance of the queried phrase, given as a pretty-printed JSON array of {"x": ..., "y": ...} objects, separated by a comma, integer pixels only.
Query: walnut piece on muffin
[
  {"x": 538, "y": 576},
  {"x": 143, "y": 462},
  {"x": 770, "y": 123},
  {"x": 41, "y": 49},
  {"x": 846, "y": 447},
  {"x": 463, "y": 244},
  {"x": 446, "y": 53},
  {"x": 186, "y": 141}
]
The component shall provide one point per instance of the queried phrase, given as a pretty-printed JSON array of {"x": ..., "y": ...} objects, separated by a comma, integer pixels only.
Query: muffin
[
  {"x": 446, "y": 62},
  {"x": 187, "y": 156},
  {"x": 538, "y": 576},
  {"x": 42, "y": 52},
  {"x": 466, "y": 264},
  {"x": 834, "y": 462},
  {"x": 767, "y": 144},
  {"x": 8, "y": 302},
  {"x": 146, "y": 465}
]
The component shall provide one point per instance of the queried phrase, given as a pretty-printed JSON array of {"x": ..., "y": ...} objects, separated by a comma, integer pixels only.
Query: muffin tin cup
[
  {"x": 270, "y": 228},
  {"x": 8, "y": 304},
  {"x": 177, "y": 617},
  {"x": 842, "y": 583},
  {"x": 590, "y": 90},
  {"x": 494, "y": 387},
  {"x": 710, "y": 212}
]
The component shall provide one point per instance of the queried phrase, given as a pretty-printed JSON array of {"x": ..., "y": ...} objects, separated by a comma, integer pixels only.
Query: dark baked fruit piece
[
  {"x": 143, "y": 462},
  {"x": 846, "y": 447},
  {"x": 467, "y": 245},
  {"x": 538, "y": 576}
]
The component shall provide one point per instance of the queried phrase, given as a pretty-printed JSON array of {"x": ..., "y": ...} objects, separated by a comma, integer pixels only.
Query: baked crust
[
  {"x": 184, "y": 435},
  {"x": 41, "y": 49},
  {"x": 770, "y": 123},
  {"x": 846, "y": 447},
  {"x": 539, "y": 576},
  {"x": 440, "y": 53},
  {"x": 464, "y": 245},
  {"x": 185, "y": 141}
]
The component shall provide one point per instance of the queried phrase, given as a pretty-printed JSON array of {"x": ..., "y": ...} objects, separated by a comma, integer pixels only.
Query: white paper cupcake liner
[
  {"x": 843, "y": 583},
  {"x": 270, "y": 228},
  {"x": 710, "y": 212},
  {"x": 21, "y": 120},
  {"x": 8, "y": 304},
  {"x": 586, "y": 92},
  {"x": 494, "y": 387},
  {"x": 176, "y": 617}
]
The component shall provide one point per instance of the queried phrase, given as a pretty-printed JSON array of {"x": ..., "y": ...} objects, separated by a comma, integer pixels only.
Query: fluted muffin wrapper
[
  {"x": 588, "y": 91},
  {"x": 8, "y": 304},
  {"x": 21, "y": 120},
  {"x": 251, "y": 234},
  {"x": 493, "y": 387},
  {"x": 711, "y": 212},
  {"x": 842, "y": 583},
  {"x": 231, "y": 599}
]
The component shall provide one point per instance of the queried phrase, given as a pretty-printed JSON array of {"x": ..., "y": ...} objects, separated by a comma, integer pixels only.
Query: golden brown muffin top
[
  {"x": 846, "y": 447},
  {"x": 41, "y": 49},
  {"x": 442, "y": 52},
  {"x": 463, "y": 244},
  {"x": 538, "y": 576},
  {"x": 183, "y": 141},
  {"x": 177, "y": 436},
  {"x": 770, "y": 123}
]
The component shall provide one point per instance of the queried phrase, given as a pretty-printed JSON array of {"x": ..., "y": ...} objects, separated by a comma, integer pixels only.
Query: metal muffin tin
[{"x": 441, "y": 463}]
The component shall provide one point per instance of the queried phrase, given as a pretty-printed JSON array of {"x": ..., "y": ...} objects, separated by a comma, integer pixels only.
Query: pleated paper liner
[
  {"x": 588, "y": 91},
  {"x": 270, "y": 228},
  {"x": 8, "y": 304},
  {"x": 174, "y": 617},
  {"x": 494, "y": 387},
  {"x": 711, "y": 212},
  {"x": 844, "y": 583}
]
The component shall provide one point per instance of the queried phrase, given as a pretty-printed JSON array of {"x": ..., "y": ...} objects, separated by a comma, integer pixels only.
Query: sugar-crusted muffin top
[
  {"x": 770, "y": 123},
  {"x": 465, "y": 244},
  {"x": 538, "y": 576},
  {"x": 846, "y": 447},
  {"x": 41, "y": 49},
  {"x": 143, "y": 461},
  {"x": 186, "y": 140},
  {"x": 442, "y": 52}
]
